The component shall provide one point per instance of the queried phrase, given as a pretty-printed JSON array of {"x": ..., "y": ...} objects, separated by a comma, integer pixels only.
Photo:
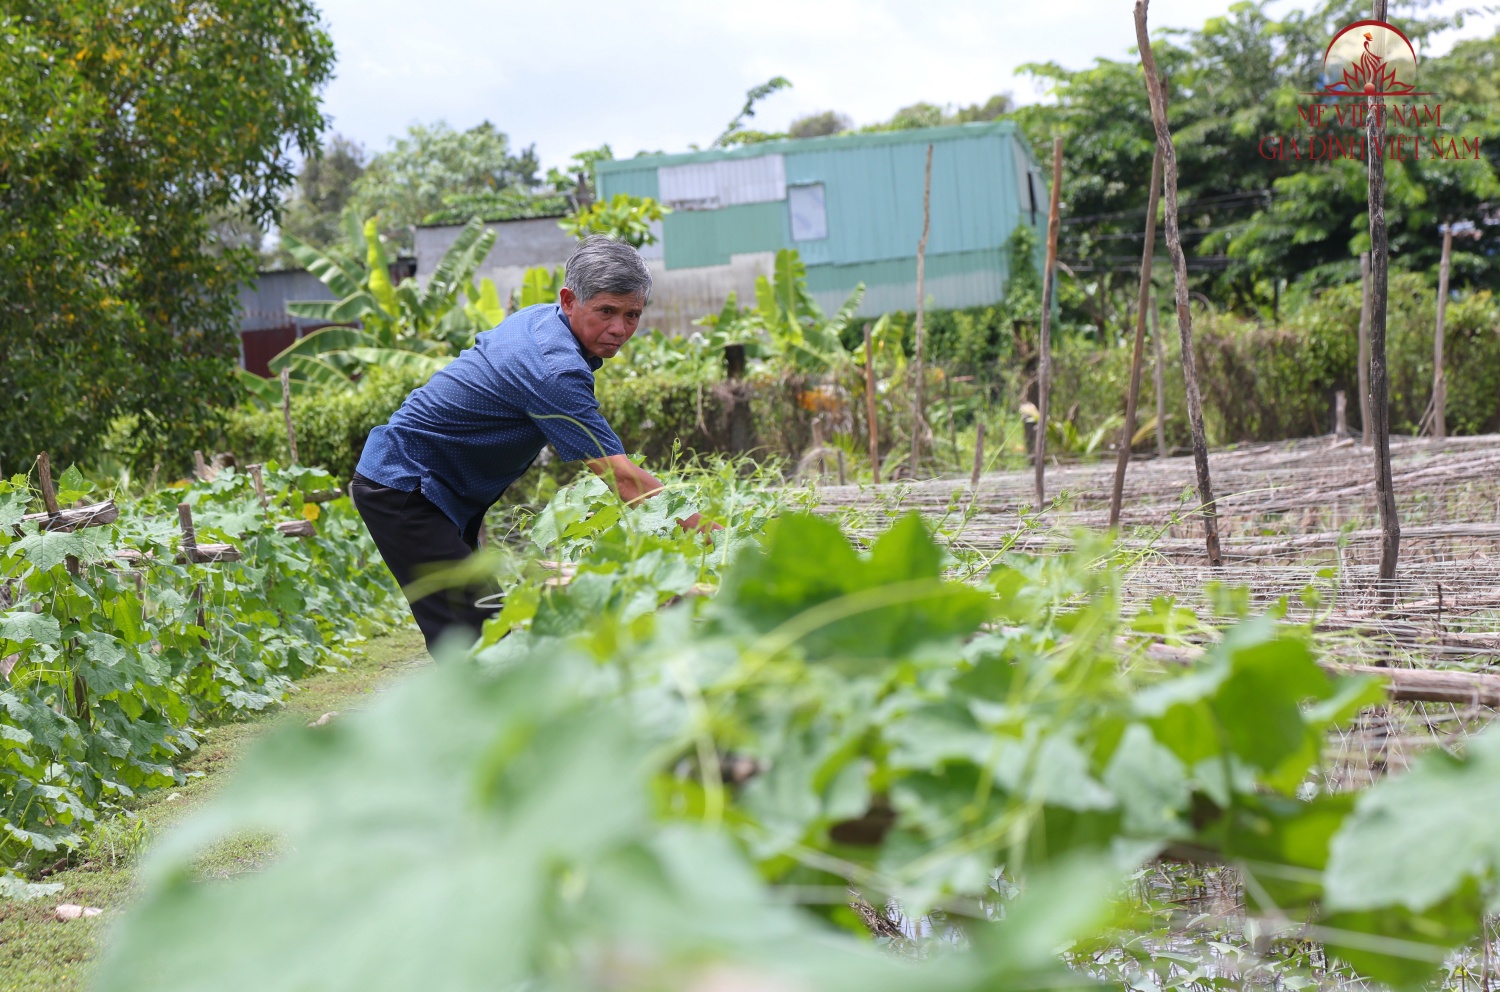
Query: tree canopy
[
  {"x": 1252, "y": 224},
  {"x": 432, "y": 166},
  {"x": 129, "y": 130}
]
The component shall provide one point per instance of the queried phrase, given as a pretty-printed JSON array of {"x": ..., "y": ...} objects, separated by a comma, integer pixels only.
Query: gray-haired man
[{"x": 426, "y": 479}]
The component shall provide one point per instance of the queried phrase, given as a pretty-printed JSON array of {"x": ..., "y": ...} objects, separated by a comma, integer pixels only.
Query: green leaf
[{"x": 22, "y": 627}]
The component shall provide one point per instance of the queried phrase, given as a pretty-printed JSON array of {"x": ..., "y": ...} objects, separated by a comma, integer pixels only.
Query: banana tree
[
  {"x": 399, "y": 326},
  {"x": 786, "y": 321}
]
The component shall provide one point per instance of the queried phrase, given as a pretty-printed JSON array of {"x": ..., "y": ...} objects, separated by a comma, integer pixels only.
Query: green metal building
[{"x": 852, "y": 206}]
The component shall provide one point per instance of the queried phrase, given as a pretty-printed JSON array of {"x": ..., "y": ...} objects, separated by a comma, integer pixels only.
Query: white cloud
[{"x": 660, "y": 74}]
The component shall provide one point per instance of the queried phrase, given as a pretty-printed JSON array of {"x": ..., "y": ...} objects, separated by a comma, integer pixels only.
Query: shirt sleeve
[{"x": 567, "y": 412}]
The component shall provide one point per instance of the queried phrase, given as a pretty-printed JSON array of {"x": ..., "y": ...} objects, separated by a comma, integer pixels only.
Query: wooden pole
[
  {"x": 1044, "y": 371},
  {"x": 952, "y": 425},
  {"x": 1179, "y": 275},
  {"x": 1340, "y": 415},
  {"x": 1364, "y": 349},
  {"x": 873, "y": 421},
  {"x": 1159, "y": 375},
  {"x": 260, "y": 484},
  {"x": 1127, "y": 433},
  {"x": 1380, "y": 412},
  {"x": 286, "y": 410},
  {"x": 1439, "y": 377},
  {"x": 918, "y": 413},
  {"x": 978, "y": 457},
  {"x": 44, "y": 480}
]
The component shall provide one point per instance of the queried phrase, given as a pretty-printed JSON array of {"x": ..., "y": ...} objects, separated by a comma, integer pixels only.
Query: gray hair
[{"x": 601, "y": 264}]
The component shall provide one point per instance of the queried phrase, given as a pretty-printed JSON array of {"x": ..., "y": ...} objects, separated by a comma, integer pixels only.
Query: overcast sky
[{"x": 660, "y": 74}]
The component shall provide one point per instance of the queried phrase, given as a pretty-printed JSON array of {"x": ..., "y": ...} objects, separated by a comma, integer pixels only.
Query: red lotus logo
[{"x": 1370, "y": 59}]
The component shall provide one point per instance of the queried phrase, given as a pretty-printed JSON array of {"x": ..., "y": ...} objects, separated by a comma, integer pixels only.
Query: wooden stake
[
  {"x": 1179, "y": 275},
  {"x": 918, "y": 413},
  {"x": 1127, "y": 433},
  {"x": 286, "y": 410},
  {"x": 200, "y": 467},
  {"x": 978, "y": 457},
  {"x": 1044, "y": 371},
  {"x": 1159, "y": 375},
  {"x": 1364, "y": 349},
  {"x": 44, "y": 480},
  {"x": 1340, "y": 415},
  {"x": 260, "y": 485},
  {"x": 189, "y": 532},
  {"x": 1380, "y": 412},
  {"x": 872, "y": 421},
  {"x": 1439, "y": 379},
  {"x": 843, "y": 470}
]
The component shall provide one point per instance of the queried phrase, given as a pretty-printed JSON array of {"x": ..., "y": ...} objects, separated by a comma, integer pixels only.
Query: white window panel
[
  {"x": 809, "y": 212},
  {"x": 711, "y": 185},
  {"x": 752, "y": 180},
  {"x": 689, "y": 187}
]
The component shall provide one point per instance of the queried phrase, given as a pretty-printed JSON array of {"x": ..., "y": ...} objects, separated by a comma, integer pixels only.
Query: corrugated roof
[{"x": 788, "y": 146}]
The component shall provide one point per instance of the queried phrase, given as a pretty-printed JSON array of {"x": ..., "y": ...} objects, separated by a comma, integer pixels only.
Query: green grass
[{"x": 37, "y": 952}]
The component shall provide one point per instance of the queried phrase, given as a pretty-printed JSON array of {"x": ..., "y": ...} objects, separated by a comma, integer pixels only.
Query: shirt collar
[{"x": 594, "y": 361}]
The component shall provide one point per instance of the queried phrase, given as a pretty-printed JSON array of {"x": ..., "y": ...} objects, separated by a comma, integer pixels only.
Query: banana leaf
[
  {"x": 322, "y": 341},
  {"x": 379, "y": 278},
  {"x": 398, "y": 360},
  {"x": 262, "y": 392},
  {"x": 340, "y": 276},
  {"x": 311, "y": 374},
  {"x": 487, "y": 310}
]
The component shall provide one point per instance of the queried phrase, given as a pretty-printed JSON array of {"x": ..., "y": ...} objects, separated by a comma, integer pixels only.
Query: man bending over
[{"x": 426, "y": 479}]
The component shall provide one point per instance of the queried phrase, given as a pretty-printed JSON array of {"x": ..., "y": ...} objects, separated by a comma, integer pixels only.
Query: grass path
[{"x": 37, "y": 952}]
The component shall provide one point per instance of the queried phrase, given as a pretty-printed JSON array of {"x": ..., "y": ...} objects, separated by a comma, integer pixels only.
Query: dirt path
[{"x": 38, "y": 952}]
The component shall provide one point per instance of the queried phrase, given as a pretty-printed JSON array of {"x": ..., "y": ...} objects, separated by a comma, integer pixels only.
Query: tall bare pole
[
  {"x": 1044, "y": 373},
  {"x": 1439, "y": 376},
  {"x": 1179, "y": 274},
  {"x": 1364, "y": 349},
  {"x": 918, "y": 410},
  {"x": 1127, "y": 433},
  {"x": 873, "y": 421},
  {"x": 1380, "y": 410},
  {"x": 286, "y": 412},
  {"x": 1158, "y": 374}
]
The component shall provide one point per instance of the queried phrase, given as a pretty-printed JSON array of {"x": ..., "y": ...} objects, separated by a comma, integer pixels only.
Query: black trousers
[{"x": 417, "y": 540}]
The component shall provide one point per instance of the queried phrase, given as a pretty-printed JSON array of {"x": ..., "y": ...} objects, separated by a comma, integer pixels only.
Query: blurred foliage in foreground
[{"x": 615, "y": 792}]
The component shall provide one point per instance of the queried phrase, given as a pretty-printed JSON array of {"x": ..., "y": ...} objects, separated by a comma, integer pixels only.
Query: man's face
[{"x": 604, "y": 322}]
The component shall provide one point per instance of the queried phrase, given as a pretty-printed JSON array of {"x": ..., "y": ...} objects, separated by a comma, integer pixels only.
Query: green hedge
[{"x": 1260, "y": 383}]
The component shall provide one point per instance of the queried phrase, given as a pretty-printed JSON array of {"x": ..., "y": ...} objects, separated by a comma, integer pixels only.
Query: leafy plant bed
[
  {"x": 627, "y": 786},
  {"x": 119, "y": 640}
]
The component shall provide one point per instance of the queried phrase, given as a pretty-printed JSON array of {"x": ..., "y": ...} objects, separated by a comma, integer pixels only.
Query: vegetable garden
[{"x": 940, "y": 707}]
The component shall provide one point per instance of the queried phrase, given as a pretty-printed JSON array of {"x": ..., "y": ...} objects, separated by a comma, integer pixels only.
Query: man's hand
[
  {"x": 630, "y": 481},
  {"x": 635, "y": 484},
  {"x": 704, "y": 527}
]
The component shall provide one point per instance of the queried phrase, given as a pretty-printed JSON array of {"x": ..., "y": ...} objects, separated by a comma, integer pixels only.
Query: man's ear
[{"x": 567, "y": 299}]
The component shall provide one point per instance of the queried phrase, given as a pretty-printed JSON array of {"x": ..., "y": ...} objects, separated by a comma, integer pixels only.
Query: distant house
[
  {"x": 852, "y": 207},
  {"x": 519, "y": 245},
  {"x": 266, "y": 329},
  {"x": 850, "y": 204}
]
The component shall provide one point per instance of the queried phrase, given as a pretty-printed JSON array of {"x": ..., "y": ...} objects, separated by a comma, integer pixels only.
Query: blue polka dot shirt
[{"x": 478, "y": 424}]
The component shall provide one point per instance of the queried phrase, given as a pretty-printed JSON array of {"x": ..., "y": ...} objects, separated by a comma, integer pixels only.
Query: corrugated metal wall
[{"x": 984, "y": 183}]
